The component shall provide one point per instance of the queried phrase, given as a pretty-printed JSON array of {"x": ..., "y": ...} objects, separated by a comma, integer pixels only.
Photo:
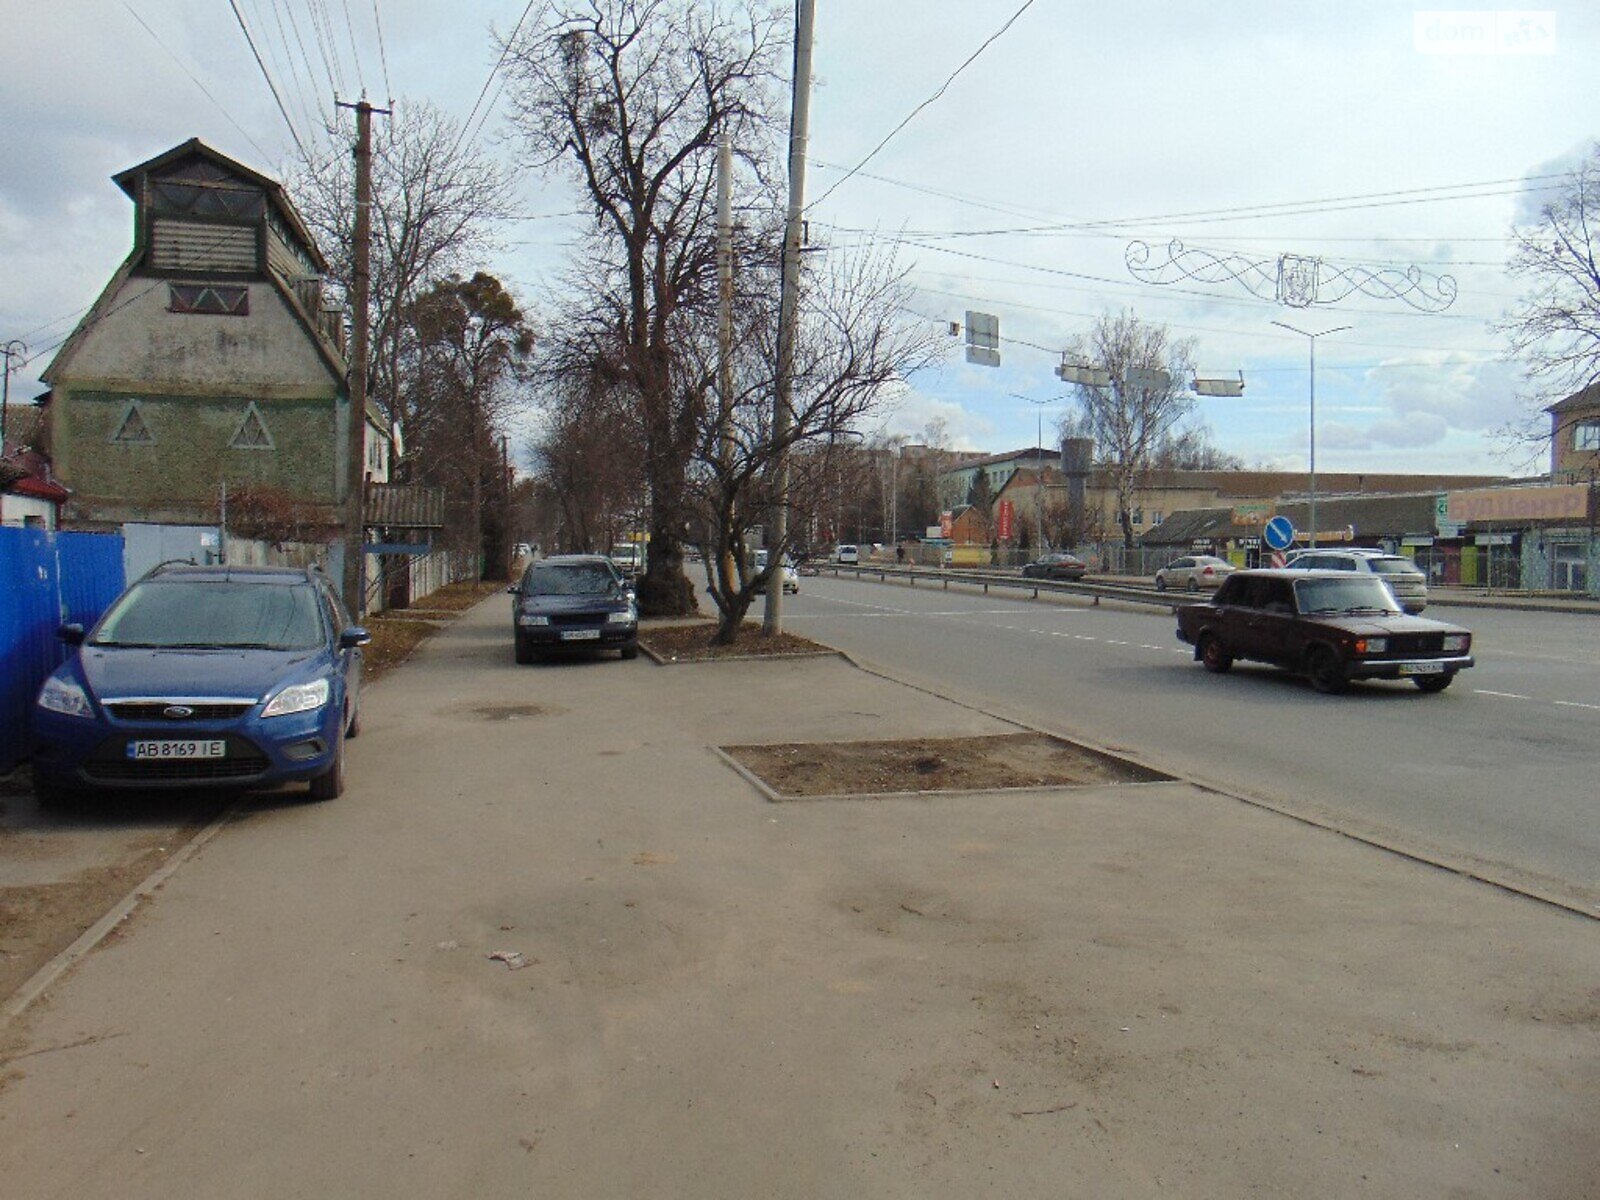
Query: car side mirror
[
  {"x": 71, "y": 634},
  {"x": 353, "y": 637}
]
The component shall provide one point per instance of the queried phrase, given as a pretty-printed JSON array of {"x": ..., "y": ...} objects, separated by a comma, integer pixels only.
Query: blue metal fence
[{"x": 46, "y": 579}]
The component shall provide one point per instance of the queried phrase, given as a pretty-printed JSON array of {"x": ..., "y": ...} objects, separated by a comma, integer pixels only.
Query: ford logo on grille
[{"x": 177, "y": 712}]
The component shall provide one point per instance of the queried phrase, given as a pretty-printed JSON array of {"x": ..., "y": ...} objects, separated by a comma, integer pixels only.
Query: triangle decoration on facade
[
  {"x": 132, "y": 429},
  {"x": 252, "y": 432}
]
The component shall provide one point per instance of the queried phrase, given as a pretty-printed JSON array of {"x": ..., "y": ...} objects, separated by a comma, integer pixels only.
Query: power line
[
  {"x": 1238, "y": 212},
  {"x": 309, "y": 85},
  {"x": 322, "y": 27},
  {"x": 484, "y": 90},
  {"x": 195, "y": 80},
  {"x": 943, "y": 87},
  {"x": 1207, "y": 296},
  {"x": 265, "y": 74},
  {"x": 383, "y": 53},
  {"x": 355, "y": 50},
  {"x": 1221, "y": 331},
  {"x": 293, "y": 90}
]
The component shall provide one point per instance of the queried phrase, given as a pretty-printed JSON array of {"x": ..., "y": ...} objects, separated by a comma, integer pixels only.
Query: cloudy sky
[{"x": 1359, "y": 133}]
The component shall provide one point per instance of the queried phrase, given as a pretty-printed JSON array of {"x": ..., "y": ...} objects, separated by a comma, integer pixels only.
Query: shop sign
[{"x": 1549, "y": 503}]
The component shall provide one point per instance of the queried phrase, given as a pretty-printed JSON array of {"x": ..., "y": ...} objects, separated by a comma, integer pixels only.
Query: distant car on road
[
  {"x": 791, "y": 577},
  {"x": 573, "y": 602},
  {"x": 847, "y": 553},
  {"x": 204, "y": 677},
  {"x": 1331, "y": 626},
  {"x": 1404, "y": 577},
  {"x": 1194, "y": 572},
  {"x": 628, "y": 558},
  {"x": 523, "y": 550},
  {"x": 1056, "y": 566}
]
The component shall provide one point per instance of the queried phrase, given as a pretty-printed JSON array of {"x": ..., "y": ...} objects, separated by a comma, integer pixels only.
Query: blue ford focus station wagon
[{"x": 204, "y": 677}]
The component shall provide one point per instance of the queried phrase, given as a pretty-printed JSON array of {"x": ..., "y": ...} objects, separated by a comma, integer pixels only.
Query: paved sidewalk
[{"x": 1104, "y": 992}]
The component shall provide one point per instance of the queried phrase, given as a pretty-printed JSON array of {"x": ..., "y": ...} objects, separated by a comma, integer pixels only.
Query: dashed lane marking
[
  {"x": 1502, "y": 695},
  {"x": 1576, "y": 704}
]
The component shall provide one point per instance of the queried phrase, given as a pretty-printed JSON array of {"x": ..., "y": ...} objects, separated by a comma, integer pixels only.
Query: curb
[
  {"x": 41, "y": 980},
  {"x": 1438, "y": 862}
]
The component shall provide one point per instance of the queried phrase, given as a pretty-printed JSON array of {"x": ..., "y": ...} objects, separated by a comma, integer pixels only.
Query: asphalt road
[{"x": 1498, "y": 773}]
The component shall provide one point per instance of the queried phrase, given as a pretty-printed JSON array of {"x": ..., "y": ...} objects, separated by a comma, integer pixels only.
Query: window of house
[
  {"x": 1586, "y": 435},
  {"x": 133, "y": 429},
  {"x": 252, "y": 432},
  {"x": 212, "y": 299},
  {"x": 374, "y": 455}
]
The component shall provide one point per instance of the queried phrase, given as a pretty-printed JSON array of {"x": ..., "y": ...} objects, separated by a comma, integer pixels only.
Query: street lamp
[
  {"x": 1311, "y": 339},
  {"x": 1038, "y": 489}
]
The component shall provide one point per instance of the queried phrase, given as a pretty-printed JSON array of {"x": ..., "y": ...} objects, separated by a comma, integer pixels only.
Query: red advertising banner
[
  {"x": 1008, "y": 520},
  {"x": 947, "y": 524}
]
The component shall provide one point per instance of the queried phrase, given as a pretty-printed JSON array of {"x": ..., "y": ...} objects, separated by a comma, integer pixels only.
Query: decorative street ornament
[{"x": 1293, "y": 280}]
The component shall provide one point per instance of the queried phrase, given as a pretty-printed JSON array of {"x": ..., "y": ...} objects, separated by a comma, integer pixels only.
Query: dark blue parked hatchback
[{"x": 205, "y": 677}]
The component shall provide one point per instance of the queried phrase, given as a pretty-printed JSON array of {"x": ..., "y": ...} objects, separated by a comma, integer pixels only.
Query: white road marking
[
  {"x": 1576, "y": 704},
  {"x": 1502, "y": 695}
]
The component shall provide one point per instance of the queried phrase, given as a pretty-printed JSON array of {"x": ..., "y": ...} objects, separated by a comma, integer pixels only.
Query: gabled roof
[
  {"x": 1588, "y": 397},
  {"x": 128, "y": 181}
]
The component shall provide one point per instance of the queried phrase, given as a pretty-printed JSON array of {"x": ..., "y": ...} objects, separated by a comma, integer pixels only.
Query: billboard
[{"x": 1007, "y": 522}]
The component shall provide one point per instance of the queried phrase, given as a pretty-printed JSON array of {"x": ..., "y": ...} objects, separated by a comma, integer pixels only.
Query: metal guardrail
[{"x": 1094, "y": 588}]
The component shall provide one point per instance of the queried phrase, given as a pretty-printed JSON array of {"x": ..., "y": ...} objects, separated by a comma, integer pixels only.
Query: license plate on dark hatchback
[
  {"x": 580, "y": 635},
  {"x": 166, "y": 750},
  {"x": 1422, "y": 668}
]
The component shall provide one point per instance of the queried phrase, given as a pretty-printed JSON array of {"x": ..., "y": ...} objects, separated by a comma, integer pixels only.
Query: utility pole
[
  {"x": 1311, "y": 339},
  {"x": 356, "y": 445},
  {"x": 799, "y": 131},
  {"x": 725, "y": 333},
  {"x": 8, "y": 351}
]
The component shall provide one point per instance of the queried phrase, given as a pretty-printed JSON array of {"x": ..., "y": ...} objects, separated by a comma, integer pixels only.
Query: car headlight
[
  {"x": 624, "y": 616},
  {"x": 1372, "y": 645},
  {"x": 298, "y": 698},
  {"x": 63, "y": 696},
  {"x": 1457, "y": 642},
  {"x": 532, "y": 619}
]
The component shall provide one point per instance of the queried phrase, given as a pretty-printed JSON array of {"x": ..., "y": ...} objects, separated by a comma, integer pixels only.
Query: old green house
[{"x": 209, "y": 358}]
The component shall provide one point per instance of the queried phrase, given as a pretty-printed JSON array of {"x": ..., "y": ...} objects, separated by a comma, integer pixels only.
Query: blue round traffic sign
[{"x": 1279, "y": 533}]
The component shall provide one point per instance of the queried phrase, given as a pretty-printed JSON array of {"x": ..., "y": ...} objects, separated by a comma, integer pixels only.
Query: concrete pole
[
  {"x": 9, "y": 351},
  {"x": 360, "y": 284},
  {"x": 799, "y": 132},
  {"x": 726, "y": 568}
]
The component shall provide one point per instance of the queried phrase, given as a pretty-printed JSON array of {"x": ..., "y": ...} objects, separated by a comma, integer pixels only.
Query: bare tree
[
  {"x": 853, "y": 347},
  {"x": 436, "y": 200},
  {"x": 1147, "y": 397},
  {"x": 1192, "y": 449},
  {"x": 1555, "y": 327},
  {"x": 630, "y": 96},
  {"x": 589, "y": 458}
]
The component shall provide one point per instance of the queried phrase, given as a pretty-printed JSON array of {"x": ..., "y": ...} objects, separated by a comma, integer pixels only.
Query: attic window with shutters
[
  {"x": 214, "y": 299},
  {"x": 132, "y": 429},
  {"x": 252, "y": 432}
]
